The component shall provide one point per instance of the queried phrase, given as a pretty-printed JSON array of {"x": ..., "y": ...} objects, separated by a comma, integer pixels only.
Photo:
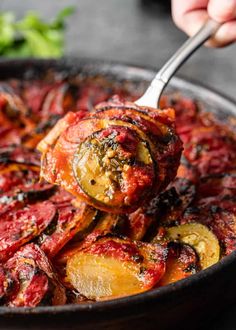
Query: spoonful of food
[{"x": 122, "y": 154}]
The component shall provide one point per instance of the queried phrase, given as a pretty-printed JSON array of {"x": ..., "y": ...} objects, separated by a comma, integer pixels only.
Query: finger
[
  {"x": 191, "y": 15},
  {"x": 224, "y": 36},
  {"x": 222, "y": 11},
  {"x": 181, "y": 8},
  {"x": 192, "y": 21}
]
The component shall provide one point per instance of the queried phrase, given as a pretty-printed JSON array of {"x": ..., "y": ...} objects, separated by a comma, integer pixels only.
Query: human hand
[{"x": 190, "y": 15}]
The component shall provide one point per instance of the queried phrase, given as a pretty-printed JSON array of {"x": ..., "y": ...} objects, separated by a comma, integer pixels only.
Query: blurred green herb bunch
[{"x": 32, "y": 36}]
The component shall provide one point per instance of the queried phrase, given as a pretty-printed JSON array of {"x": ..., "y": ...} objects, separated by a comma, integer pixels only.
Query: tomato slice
[
  {"x": 37, "y": 282},
  {"x": 65, "y": 226},
  {"x": 20, "y": 226}
]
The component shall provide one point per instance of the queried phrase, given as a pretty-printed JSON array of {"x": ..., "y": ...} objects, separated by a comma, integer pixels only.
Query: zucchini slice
[
  {"x": 107, "y": 161},
  {"x": 200, "y": 238}
]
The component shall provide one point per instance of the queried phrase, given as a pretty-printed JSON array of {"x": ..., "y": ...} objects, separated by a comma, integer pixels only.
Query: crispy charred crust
[
  {"x": 22, "y": 197},
  {"x": 168, "y": 208},
  {"x": 186, "y": 255}
]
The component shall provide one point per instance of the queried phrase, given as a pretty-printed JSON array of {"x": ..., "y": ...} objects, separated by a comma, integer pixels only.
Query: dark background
[{"x": 138, "y": 32}]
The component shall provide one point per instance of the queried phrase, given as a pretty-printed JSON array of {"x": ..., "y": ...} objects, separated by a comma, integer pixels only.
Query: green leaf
[
  {"x": 31, "y": 21},
  {"x": 41, "y": 45},
  {"x": 7, "y": 30},
  {"x": 32, "y": 36},
  {"x": 59, "y": 21},
  {"x": 22, "y": 50}
]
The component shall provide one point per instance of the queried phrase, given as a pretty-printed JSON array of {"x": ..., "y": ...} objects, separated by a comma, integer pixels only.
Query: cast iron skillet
[{"x": 184, "y": 304}]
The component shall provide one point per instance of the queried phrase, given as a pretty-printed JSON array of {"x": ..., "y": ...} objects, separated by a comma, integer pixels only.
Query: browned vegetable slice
[
  {"x": 59, "y": 100},
  {"x": 18, "y": 155},
  {"x": 200, "y": 238},
  {"x": 138, "y": 223},
  {"x": 66, "y": 225},
  {"x": 182, "y": 262},
  {"x": 12, "y": 175},
  {"x": 109, "y": 223},
  {"x": 18, "y": 227},
  {"x": 139, "y": 117},
  {"x": 113, "y": 267},
  {"x": 219, "y": 215},
  {"x": 13, "y": 111},
  {"x": 7, "y": 284},
  {"x": 37, "y": 282},
  {"x": 212, "y": 149}
]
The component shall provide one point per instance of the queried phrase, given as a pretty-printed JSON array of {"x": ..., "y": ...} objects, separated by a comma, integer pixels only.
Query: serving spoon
[{"x": 152, "y": 95}]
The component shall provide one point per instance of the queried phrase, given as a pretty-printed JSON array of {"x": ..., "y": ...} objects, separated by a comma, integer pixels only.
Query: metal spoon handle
[{"x": 152, "y": 95}]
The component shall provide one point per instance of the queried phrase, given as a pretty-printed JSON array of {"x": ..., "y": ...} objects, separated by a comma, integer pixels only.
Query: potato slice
[
  {"x": 200, "y": 238},
  {"x": 98, "y": 276},
  {"x": 113, "y": 267}
]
